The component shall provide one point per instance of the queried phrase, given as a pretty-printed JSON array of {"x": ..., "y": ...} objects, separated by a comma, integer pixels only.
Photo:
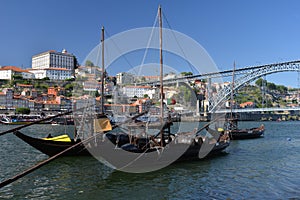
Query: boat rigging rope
[
  {"x": 118, "y": 49},
  {"x": 148, "y": 44},
  {"x": 184, "y": 55}
]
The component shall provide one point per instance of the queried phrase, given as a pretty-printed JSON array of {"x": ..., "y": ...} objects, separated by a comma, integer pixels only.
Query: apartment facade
[
  {"x": 139, "y": 91},
  {"x": 7, "y": 73},
  {"x": 54, "y": 65}
]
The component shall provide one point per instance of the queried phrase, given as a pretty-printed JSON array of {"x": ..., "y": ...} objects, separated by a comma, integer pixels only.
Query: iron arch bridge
[{"x": 252, "y": 73}]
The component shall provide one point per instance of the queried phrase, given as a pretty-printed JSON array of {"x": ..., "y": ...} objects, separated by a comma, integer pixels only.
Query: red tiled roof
[
  {"x": 13, "y": 68},
  {"x": 248, "y": 103},
  {"x": 24, "y": 85}
]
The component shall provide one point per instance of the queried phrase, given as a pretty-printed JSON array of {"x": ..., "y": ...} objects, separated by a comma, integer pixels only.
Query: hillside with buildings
[{"x": 56, "y": 81}]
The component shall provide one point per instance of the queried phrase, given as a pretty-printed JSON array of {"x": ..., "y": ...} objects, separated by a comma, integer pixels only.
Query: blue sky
[{"x": 247, "y": 32}]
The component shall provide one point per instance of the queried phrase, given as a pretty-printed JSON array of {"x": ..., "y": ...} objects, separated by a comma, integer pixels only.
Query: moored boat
[
  {"x": 55, "y": 145},
  {"x": 238, "y": 134},
  {"x": 133, "y": 140},
  {"x": 21, "y": 119},
  {"x": 231, "y": 124}
]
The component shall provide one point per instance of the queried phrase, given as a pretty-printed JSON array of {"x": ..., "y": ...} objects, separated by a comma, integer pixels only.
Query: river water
[{"x": 265, "y": 168}]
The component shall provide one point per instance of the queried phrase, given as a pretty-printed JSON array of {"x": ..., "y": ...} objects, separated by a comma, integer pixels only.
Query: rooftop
[{"x": 13, "y": 68}]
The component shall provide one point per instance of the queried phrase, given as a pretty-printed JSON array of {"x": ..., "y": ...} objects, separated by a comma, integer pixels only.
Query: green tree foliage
[
  {"x": 70, "y": 79},
  {"x": 184, "y": 95},
  {"x": 89, "y": 63},
  {"x": 76, "y": 63},
  {"x": 259, "y": 82},
  {"x": 46, "y": 78},
  {"x": 17, "y": 77},
  {"x": 69, "y": 87},
  {"x": 186, "y": 73},
  {"x": 282, "y": 89},
  {"x": 271, "y": 86},
  {"x": 23, "y": 111},
  {"x": 97, "y": 94},
  {"x": 44, "y": 87},
  {"x": 143, "y": 79}
]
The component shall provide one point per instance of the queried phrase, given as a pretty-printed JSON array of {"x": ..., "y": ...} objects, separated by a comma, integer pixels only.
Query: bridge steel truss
[
  {"x": 249, "y": 74},
  {"x": 252, "y": 73}
]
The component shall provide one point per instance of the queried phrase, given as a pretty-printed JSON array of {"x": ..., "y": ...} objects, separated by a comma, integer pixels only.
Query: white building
[
  {"x": 52, "y": 73},
  {"x": 139, "y": 91},
  {"x": 55, "y": 65},
  {"x": 53, "y": 59},
  {"x": 7, "y": 73}
]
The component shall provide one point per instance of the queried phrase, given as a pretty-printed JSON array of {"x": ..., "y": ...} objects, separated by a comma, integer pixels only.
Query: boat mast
[
  {"x": 233, "y": 121},
  {"x": 103, "y": 73},
  {"x": 161, "y": 65},
  {"x": 162, "y": 141},
  {"x": 232, "y": 89}
]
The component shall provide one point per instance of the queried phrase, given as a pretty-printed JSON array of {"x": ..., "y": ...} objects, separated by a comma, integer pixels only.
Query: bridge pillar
[
  {"x": 263, "y": 91},
  {"x": 208, "y": 96}
]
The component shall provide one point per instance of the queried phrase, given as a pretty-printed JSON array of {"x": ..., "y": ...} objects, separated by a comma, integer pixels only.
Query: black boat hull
[
  {"x": 52, "y": 148},
  {"x": 192, "y": 153},
  {"x": 246, "y": 134}
]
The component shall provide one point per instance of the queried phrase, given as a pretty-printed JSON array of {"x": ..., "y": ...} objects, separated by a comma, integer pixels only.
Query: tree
[
  {"x": 89, "y": 63},
  {"x": 143, "y": 79},
  {"x": 282, "y": 89},
  {"x": 260, "y": 82},
  {"x": 271, "y": 86},
  {"x": 70, "y": 79},
  {"x": 46, "y": 78},
  {"x": 17, "y": 77},
  {"x": 186, "y": 73},
  {"x": 23, "y": 111},
  {"x": 69, "y": 87},
  {"x": 76, "y": 63}
]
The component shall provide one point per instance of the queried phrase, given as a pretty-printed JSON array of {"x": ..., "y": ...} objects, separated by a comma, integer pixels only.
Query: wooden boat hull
[
  {"x": 192, "y": 153},
  {"x": 52, "y": 148},
  {"x": 241, "y": 134}
]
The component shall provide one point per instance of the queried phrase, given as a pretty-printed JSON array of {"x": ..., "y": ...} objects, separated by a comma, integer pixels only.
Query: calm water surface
[{"x": 266, "y": 168}]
